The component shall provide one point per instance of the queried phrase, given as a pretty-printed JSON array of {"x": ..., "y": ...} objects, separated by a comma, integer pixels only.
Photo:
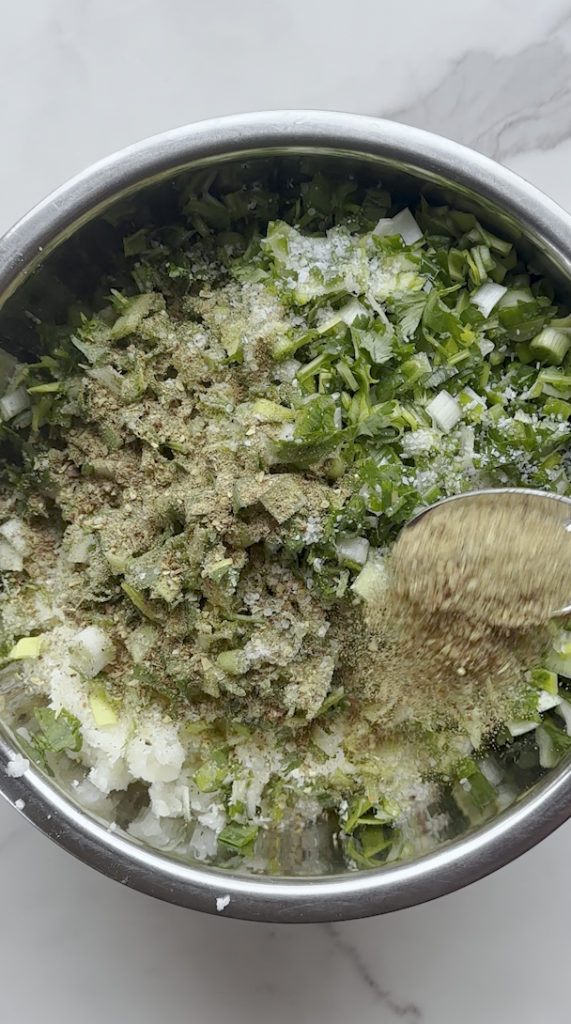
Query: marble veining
[
  {"x": 406, "y": 1012},
  {"x": 502, "y": 105},
  {"x": 79, "y": 80}
]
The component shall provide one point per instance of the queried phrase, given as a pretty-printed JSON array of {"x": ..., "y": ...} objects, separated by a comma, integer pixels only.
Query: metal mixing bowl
[{"x": 409, "y": 162}]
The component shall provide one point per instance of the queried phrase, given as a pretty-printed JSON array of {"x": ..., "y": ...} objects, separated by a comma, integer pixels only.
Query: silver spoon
[{"x": 556, "y": 508}]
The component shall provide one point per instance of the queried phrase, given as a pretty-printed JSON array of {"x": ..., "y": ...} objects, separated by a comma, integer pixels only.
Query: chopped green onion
[
  {"x": 445, "y": 411},
  {"x": 139, "y": 601},
  {"x": 550, "y": 346}
]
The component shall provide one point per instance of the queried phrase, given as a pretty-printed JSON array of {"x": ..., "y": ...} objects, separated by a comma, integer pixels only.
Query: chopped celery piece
[
  {"x": 356, "y": 809},
  {"x": 353, "y": 551},
  {"x": 217, "y": 570},
  {"x": 27, "y": 647},
  {"x": 544, "y": 680},
  {"x": 144, "y": 606},
  {"x": 102, "y": 711},
  {"x": 293, "y": 762},
  {"x": 45, "y": 389},
  {"x": 550, "y": 346},
  {"x": 331, "y": 701},
  {"x": 272, "y": 412},
  {"x": 235, "y": 663},
  {"x": 372, "y": 580},
  {"x": 238, "y": 836},
  {"x": 560, "y": 663},
  {"x": 518, "y": 727},
  {"x": 474, "y": 808},
  {"x": 563, "y": 709},
  {"x": 480, "y": 262},
  {"x": 555, "y": 383},
  {"x": 354, "y": 853},
  {"x": 556, "y": 407},
  {"x": 210, "y": 776},
  {"x": 374, "y": 839},
  {"x": 488, "y": 296},
  {"x": 415, "y": 368},
  {"x": 546, "y": 701}
]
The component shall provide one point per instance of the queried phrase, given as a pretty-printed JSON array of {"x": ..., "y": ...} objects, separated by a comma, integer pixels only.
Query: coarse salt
[{"x": 17, "y": 766}]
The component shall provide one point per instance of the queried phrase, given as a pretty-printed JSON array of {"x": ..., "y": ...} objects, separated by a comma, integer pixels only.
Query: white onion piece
[
  {"x": 10, "y": 560},
  {"x": 351, "y": 311},
  {"x": 12, "y": 404},
  {"x": 80, "y": 551},
  {"x": 487, "y": 297},
  {"x": 403, "y": 224},
  {"x": 519, "y": 728},
  {"x": 486, "y": 346},
  {"x": 547, "y": 701},
  {"x": 91, "y": 650},
  {"x": 564, "y": 709},
  {"x": 372, "y": 581},
  {"x": 547, "y": 754},
  {"x": 384, "y": 228},
  {"x": 355, "y": 549},
  {"x": 14, "y": 532}
]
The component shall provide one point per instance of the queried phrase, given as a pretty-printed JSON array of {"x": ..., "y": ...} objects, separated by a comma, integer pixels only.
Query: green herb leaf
[{"x": 59, "y": 731}]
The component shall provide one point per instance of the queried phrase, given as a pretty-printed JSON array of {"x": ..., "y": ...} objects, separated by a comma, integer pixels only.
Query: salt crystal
[{"x": 17, "y": 766}]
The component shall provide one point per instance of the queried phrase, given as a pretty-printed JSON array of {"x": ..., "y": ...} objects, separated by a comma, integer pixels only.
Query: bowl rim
[{"x": 22, "y": 249}]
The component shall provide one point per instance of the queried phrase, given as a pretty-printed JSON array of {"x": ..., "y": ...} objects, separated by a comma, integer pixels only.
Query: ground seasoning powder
[
  {"x": 472, "y": 588},
  {"x": 498, "y": 560}
]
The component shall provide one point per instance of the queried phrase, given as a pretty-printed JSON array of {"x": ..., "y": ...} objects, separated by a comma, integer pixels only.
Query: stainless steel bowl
[{"x": 410, "y": 161}]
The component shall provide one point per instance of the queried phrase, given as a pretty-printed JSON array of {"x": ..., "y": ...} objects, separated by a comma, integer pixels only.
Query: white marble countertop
[{"x": 79, "y": 80}]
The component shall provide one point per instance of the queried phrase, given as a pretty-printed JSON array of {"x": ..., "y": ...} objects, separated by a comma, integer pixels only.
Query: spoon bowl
[{"x": 555, "y": 508}]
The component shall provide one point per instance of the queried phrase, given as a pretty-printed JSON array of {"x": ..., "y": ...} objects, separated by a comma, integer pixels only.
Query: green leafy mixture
[{"x": 202, "y": 481}]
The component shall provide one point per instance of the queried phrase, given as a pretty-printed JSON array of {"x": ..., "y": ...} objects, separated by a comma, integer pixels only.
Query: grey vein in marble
[
  {"x": 502, "y": 105},
  {"x": 406, "y": 1012}
]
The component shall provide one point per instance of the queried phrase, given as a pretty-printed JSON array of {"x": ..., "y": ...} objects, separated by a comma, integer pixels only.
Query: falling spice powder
[
  {"x": 499, "y": 560},
  {"x": 465, "y": 618}
]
